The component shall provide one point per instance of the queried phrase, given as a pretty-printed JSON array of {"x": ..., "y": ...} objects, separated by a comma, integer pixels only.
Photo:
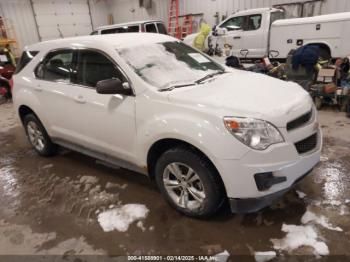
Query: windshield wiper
[
  {"x": 209, "y": 76},
  {"x": 173, "y": 87}
]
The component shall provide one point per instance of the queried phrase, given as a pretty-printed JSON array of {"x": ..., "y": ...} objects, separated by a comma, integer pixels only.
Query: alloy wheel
[
  {"x": 184, "y": 186},
  {"x": 36, "y": 136}
]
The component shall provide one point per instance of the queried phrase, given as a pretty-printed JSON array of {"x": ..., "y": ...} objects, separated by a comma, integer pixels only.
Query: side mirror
[
  {"x": 112, "y": 86},
  {"x": 221, "y": 31}
]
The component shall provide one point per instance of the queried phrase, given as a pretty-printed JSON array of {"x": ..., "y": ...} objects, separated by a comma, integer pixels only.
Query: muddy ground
[{"x": 51, "y": 205}]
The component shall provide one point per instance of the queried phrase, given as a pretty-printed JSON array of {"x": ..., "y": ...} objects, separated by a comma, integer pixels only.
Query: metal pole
[
  {"x": 36, "y": 22},
  {"x": 92, "y": 24}
]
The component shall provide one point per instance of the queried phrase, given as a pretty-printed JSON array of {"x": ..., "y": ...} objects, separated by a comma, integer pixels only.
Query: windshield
[{"x": 169, "y": 64}]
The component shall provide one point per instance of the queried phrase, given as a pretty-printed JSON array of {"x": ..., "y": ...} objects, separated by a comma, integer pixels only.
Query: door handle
[
  {"x": 38, "y": 88},
  {"x": 236, "y": 37},
  {"x": 80, "y": 99}
]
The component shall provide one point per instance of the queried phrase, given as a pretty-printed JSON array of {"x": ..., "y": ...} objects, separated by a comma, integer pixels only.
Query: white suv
[
  {"x": 149, "y": 26},
  {"x": 150, "y": 103}
]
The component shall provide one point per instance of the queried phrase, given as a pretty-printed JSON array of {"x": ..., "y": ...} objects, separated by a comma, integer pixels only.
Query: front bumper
[
  {"x": 282, "y": 161},
  {"x": 251, "y": 205}
]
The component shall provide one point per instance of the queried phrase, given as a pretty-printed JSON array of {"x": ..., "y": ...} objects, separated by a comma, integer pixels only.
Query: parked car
[
  {"x": 7, "y": 68},
  {"x": 151, "y": 26},
  {"x": 150, "y": 103},
  {"x": 260, "y": 31}
]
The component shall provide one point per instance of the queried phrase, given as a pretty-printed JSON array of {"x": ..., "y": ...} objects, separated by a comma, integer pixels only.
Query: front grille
[
  {"x": 306, "y": 145},
  {"x": 299, "y": 121}
]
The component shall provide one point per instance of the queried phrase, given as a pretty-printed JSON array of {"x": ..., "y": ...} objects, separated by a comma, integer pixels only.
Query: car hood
[{"x": 247, "y": 94}]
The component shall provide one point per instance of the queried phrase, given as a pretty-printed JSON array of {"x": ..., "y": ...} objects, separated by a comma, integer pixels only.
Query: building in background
[{"x": 36, "y": 20}]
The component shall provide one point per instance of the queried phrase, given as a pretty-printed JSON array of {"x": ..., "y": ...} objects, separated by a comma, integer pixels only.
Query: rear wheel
[
  {"x": 189, "y": 182},
  {"x": 318, "y": 103},
  {"x": 325, "y": 54},
  {"x": 38, "y": 137}
]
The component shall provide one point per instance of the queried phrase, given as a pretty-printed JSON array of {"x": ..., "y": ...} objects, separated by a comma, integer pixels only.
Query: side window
[
  {"x": 123, "y": 29},
  {"x": 151, "y": 28},
  {"x": 278, "y": 15},
  {"x": 235, "y": 23},
  {"x": 94, "y": 33},
  {"x": 109, "y": 31},
  {"x": 56, "y": 66},
  {"x": 133, "y": 29},
  {"x": 93, "y": 67},
  {"x": 26, "y": 57},
  {"x": 253, "y": 23},
  {"x": 161, "y": 29}
]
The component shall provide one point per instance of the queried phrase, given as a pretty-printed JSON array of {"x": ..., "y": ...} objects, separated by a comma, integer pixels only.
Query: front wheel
[{"x": 189, "y": 182}]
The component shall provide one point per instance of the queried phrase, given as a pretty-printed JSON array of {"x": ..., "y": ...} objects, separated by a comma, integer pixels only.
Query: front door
[
  {"x": 109, "y": 120},
  {"x": 234, "y": 36}
]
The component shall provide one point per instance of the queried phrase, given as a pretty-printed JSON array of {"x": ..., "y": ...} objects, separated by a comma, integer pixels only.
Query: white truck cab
[
  {"x": 255, "y": 33},
  {"x": 248, "y": 30}
]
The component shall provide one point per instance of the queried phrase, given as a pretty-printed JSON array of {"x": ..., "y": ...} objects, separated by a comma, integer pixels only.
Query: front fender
[{"x": 206, "y": 133}]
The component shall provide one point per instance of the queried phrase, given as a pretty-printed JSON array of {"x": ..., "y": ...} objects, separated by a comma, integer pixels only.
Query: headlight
[{"x": 257, "y": 134}]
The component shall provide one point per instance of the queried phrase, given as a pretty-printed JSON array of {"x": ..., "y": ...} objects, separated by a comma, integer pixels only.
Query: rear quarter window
[
  {"x": 161, "y": 29},
  {"x": 26, "y": 57}
]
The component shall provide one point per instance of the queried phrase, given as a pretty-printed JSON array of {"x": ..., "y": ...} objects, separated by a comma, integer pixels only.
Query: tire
[
  {"x": 324, "y": 54},
  {"x": 38, "y": 137},
  {"x": 203, "y": 188},
  {"x": 318, "y": 103}
]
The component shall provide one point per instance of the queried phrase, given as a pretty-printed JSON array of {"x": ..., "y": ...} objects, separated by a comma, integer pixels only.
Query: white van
[{"x": 150, "y": 26}]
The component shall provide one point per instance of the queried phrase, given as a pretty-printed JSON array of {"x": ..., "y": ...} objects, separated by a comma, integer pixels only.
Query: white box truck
[{"x": 263, "y": 30}]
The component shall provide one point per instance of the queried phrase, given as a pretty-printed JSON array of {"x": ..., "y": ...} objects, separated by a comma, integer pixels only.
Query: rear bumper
[{"x": 251, "y": 205}]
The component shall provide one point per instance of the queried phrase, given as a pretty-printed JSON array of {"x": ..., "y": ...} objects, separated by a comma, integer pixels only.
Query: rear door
[{"x": 58, "y": 96}]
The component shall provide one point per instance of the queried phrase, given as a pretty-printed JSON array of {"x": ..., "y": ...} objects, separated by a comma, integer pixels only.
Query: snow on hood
[{"x": 247, "y": 94}]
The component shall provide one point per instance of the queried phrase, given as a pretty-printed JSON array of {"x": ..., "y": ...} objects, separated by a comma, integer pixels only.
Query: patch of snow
[
  {"x": 321, "y": 220},
  {"x": 222, "y": 257},
  {"x": 115, "y": 185},
  {"x": 160, "y": 68},
  {"x": 120, "y": 218},
  {"x": 47, "y": 166},
  {"x": 344, "y": 210},
  {"x": 8, "y": 119},
  {"x": 264, "y": 256},
  {"x": 88, "y": 180},
  {"x": 324, "y": 159},
  {"x": 301, "y": 195},
  {"x": 332, "y": 202},
  {"x": 141, "y": 226},
  {"x": 151, "y": 228},
  {"x": 298, "y": 236},
  {"x": 347, "y": 201}
]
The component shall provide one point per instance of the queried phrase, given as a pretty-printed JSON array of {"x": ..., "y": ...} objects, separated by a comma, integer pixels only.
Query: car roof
[
  {"x": 127, "y": 24},
  {"x": 117, "y": 41},
  {"x": 254, "y": 11}
]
